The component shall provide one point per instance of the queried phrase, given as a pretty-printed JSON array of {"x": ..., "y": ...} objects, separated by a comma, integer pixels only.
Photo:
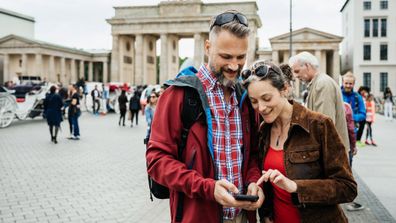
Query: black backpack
[{"x": 192, "y": 110}]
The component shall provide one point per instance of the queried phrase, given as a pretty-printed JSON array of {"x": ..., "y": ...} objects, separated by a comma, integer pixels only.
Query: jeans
[{"x": 76, "y": 129}]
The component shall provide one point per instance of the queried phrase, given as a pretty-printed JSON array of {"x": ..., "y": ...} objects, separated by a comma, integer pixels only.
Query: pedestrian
[
  {"x": 75, "y": 112},
  {"x": 150, "y": 109},
  {"x": 219, "y": 159},
  {"x": 370, "y": 116},
  {"x": 388, "y": 104},
  {"x": 363, "y": 91},
  {"x": 122, "y": 101},
  {"x": 324, "y": 94},
  {"x": 95, "y": 94},
  {"x": 318, "y": 175},
  {"x": 355, "y": 100},
  {"x": 53, "y": 104},
  {"x": 134, "y": 108},
  {"x": 357, "y": 104}
]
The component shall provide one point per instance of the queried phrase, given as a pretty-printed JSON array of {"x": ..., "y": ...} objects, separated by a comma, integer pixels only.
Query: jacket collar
[{"x": 299, "y": 116}]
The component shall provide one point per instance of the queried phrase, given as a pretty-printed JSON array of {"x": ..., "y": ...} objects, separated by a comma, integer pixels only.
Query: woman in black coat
[
  {"x": 53, "y": 104},
  {"x": 122, "y": 101}
]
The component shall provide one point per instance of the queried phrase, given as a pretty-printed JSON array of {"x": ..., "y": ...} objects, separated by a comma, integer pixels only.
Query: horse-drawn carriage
[{"x": 22, "y": 102}]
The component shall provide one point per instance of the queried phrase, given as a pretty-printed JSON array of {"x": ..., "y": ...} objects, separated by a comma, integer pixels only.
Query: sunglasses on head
[
  {"x": 260, "y": 71},
  {"x": 228, "y": 17}
]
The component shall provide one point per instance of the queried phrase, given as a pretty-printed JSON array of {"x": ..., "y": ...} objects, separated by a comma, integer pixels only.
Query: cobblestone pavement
[{"x": 100, "y": 178}]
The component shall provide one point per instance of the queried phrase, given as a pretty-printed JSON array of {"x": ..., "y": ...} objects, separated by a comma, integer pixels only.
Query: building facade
[
  {"x": 16, "y": 23},
  {"x": 369, "y": 45},
  {"x": 136, "y": 29},
  {"x": 324, "y": 46},
  {"x": 53, "y": 63}
]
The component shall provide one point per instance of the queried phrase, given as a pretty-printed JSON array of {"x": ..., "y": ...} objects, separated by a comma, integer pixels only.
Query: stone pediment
[
  {"x": 307, "y": 35},
  {"x": 13, "y": 41}
]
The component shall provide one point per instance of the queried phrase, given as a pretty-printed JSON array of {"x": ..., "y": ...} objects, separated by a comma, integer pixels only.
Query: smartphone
[{"x": 244, "y": 197}]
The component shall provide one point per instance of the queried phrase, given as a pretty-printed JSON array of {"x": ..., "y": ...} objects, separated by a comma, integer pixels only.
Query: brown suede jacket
[{"x": 315, "y": 158}]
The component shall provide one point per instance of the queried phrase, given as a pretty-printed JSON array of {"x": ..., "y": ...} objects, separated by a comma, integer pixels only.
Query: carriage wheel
[{"x": 7, "y": 111}]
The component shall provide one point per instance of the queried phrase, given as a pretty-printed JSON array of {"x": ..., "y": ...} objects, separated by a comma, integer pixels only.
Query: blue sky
[{"x": 81, "y": 24}]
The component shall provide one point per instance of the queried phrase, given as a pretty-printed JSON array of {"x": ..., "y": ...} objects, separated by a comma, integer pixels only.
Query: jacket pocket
[{"x": 304, "y": 156}]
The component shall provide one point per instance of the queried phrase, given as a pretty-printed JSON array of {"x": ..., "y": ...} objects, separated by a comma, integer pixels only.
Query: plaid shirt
[{"x": 227, "y": 133}]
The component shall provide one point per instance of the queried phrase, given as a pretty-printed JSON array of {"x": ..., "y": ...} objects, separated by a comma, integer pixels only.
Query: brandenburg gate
[{"x": 135, "y": 30}]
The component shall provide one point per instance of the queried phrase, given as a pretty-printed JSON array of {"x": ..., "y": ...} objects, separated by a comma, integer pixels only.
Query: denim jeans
[{"x": 76, "y": 129}]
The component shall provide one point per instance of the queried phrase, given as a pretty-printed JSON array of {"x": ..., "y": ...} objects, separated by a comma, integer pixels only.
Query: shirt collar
[{"x": 208, "y": 78}]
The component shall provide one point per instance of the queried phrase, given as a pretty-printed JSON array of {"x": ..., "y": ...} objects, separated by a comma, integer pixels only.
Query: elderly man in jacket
[
  {"x": 324, "y": 94},
  {"x": 220, "y": 157}
]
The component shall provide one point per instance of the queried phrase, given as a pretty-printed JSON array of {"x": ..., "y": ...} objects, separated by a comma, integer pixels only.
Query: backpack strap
[{"x": 191, "y": 112}]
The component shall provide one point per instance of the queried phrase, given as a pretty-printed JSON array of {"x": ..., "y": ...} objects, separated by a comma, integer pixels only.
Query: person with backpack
[
  {"x": 357, "y": 104},
  {"x": 211, "y": 165},
  {"x": 134, "y": 107}
]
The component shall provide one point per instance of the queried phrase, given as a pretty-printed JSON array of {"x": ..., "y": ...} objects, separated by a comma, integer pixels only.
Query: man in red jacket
[{"x": 220, "y": 156}]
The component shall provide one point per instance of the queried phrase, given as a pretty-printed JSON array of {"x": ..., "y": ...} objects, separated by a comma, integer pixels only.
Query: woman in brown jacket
[{"x": 305, "y": 167}]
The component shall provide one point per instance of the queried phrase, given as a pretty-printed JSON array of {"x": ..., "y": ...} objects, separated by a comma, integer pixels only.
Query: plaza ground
[{"x": 102, "y": 177}]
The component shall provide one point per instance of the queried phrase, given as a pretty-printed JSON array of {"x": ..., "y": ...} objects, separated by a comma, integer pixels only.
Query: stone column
[
  {"x": 39, "y": 66},
  {"x": 199, "y": 50},
  {"x": 24, "y": 64},
  {"x": 51, "y": 74},
  {"x": 336, "y": 65},
  {"x": 139, "y": 59},
  {"x": 121, "y": 46},
  {"x": 63, "y": 71},
  {"x": 81, "y": 69},
  {"x": 114, "y": 59},
  {"x": 105, "y": 73},
  {"x": 318, "y": 55},
  {"x": 251, "y": 54},
  {"x": 164, "y": 60},
  {"x": 275, "y": 56},
  {"x": 6, "y": 70},
  {"x": 73, "y": 71},
  {"x": 90, "y": 70},
  {"x": 286, "y": 56}
]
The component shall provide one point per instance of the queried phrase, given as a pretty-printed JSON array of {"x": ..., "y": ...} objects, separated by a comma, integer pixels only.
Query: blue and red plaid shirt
[{"x": 227, "y": 133}]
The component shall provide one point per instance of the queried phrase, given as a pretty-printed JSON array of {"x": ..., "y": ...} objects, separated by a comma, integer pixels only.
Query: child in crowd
[{"x": 370, "y": 114}]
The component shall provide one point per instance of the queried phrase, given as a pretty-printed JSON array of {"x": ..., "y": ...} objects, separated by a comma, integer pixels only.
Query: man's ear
[{"x": 207, "y": 47}]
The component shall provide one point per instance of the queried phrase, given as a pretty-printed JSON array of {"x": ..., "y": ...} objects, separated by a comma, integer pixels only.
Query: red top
[{"x": 284, "y": 210}]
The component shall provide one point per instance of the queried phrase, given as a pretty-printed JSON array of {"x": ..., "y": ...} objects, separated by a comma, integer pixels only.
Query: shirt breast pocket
[{"x": 305, "y": 164}]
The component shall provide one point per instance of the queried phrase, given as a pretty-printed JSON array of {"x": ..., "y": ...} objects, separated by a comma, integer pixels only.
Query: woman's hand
[{"x": 277, "y": 178}]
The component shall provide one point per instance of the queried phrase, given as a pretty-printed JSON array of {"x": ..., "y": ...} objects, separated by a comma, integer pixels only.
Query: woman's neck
[{"x": 284, "y": 117}]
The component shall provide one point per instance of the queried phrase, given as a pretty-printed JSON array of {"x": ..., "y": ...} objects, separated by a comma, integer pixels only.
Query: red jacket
[{"x": 197, "y": 183}]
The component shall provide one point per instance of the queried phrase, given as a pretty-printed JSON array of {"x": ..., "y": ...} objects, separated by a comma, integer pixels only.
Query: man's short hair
[
  {"x": 349, "y": 74},
  {"x": 304, "y": 58},
  {"x": 234, "y": 27}
]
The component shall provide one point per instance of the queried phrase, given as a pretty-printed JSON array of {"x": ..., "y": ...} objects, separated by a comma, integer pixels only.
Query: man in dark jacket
[
  {"x": 95, "y": 100},
  {"x": 220, "y": 158}
]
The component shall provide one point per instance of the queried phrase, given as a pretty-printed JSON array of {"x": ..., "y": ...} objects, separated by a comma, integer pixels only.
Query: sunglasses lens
[
  {"x": 229, "y": 17},
  {"x": 261, "y": 71},
  {"x": 242, "y": 19}
]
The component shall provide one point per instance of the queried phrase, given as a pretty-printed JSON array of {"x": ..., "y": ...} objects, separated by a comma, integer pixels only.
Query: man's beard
[{"x": 223, "y": 80}]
